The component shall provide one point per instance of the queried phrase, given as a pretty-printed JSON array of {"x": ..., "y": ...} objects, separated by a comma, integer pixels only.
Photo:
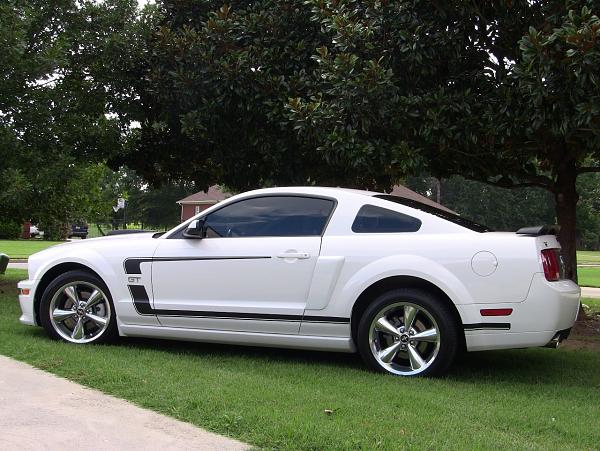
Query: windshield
[{"x": 452, "y": 217}]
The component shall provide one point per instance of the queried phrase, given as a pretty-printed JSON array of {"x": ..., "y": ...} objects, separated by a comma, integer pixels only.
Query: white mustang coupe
[{"x": 404, "y": 284}]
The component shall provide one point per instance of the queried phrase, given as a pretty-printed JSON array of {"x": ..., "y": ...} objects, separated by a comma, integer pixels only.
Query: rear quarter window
[{"x": 373, "y": 219}]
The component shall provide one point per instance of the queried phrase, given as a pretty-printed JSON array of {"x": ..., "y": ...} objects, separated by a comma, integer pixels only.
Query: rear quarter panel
[{"x": 442, "y": 259}]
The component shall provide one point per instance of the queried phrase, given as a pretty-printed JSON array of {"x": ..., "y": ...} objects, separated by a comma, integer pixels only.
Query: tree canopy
[
  {"x": 357, "y": 93},
  {"x": 55, "y": 123},
  {"x": 361, "y": 93}
]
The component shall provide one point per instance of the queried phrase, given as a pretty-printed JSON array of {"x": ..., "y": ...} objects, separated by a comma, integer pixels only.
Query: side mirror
[{"x": 195, "y": 229}]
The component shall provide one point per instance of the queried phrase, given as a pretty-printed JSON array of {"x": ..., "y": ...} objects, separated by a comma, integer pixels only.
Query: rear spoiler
[{"x": 539, "y": 230}]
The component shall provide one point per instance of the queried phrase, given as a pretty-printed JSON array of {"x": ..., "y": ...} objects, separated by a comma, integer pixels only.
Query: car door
[{"x": 251, "y": 272}]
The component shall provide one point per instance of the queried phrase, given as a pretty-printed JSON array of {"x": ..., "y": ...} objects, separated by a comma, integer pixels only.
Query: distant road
[{"x": 588, "y": 292}]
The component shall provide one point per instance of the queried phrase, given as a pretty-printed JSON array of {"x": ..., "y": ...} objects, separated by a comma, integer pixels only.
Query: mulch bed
[{"x": 585, "y": 334}]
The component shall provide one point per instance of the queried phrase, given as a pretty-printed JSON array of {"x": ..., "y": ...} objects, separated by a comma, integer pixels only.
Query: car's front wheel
[
  {"x": 408, "y": 332},
  {"x": 77, "y": 307}
]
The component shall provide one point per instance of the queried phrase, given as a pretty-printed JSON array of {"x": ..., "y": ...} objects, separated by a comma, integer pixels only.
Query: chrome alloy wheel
[
  {"x": 404, "y": 338},
  {"x": 80, "y": 312}
]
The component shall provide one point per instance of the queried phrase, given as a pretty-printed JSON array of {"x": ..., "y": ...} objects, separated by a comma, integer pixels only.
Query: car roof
[{"x": 314, "y": 190}]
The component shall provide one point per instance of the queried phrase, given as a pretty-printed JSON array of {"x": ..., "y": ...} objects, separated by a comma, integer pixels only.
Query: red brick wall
[{"x": 187, "y": 211}]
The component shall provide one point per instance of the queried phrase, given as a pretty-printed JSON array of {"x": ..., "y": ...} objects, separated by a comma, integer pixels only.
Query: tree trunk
[
  {"x": 566, "y": 214},
  {"x": 438, "y": 190}
]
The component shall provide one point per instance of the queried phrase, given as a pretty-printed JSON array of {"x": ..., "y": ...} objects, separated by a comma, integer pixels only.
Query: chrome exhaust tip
[{"x": 555, "y": 342}]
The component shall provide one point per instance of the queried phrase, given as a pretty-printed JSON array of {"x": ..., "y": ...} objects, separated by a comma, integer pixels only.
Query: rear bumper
[
  {"x": 26, "y": 302},
  {"x": 550, "y": 307}
]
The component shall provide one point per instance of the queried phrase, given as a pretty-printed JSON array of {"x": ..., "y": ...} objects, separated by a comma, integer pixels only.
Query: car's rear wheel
[
  {"x": 76, "y": 307},
  {"x": 408, "y": 332}
]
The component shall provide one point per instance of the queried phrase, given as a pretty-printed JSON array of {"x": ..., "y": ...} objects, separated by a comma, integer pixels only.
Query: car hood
[{"x": 102, "y": 245}]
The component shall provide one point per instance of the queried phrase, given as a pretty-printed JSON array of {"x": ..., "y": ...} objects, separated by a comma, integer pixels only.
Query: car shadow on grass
[
  {"x": 517, "y": 366},
  {"x": 539, "y": 366}
]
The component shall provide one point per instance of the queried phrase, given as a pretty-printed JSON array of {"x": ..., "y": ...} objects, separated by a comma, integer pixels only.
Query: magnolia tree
[
  {"x": 557, "y": 115},
  {"x": 361, "y": 93}
]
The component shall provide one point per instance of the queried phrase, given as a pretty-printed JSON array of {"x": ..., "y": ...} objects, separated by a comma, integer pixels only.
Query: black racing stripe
[
  {"x": 227, "y": 315},
  {"x": 132, "y": 265},
  {"x": 141, "y": 300},
  {"x": 142, "y": 305},
  {"x": 325, "y": 319},
  {"x": 487, "y": 326}
]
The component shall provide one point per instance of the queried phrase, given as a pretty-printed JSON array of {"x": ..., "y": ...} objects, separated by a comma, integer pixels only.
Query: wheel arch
[
  {"x": 381, "y": 286},
  {"x": 51, "y": 274}
]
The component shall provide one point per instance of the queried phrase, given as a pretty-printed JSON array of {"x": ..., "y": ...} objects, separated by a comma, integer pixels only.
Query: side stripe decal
[
  {"x": 143, "y": 307},
  {"x": 487, "y": 326},
  {"x": 132, "y": 265},
  {"x": 141, "y": 300}
]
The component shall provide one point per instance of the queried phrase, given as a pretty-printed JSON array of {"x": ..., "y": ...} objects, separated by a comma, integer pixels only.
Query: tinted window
[
  {"x": 452, "y": 217},
  {"x": 270, "y": 216},
  {"x": 372, "y": 219}
]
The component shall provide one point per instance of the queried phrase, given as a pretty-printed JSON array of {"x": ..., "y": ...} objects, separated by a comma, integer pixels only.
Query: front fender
[{"x": 88, "y": 257}]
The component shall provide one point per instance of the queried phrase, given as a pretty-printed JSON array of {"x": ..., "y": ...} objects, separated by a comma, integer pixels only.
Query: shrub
[
  {"x": 55, "y": 231},
  {"x": 10, "y": 230}
]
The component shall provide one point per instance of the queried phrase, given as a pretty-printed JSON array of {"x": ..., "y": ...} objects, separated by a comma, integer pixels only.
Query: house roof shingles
[
  {"x": 403, "y": 191},
  {"x": 214, "y": 194}
]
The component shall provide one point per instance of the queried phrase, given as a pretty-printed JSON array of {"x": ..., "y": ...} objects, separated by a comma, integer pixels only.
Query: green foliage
[
  {"x": 352, "y": 92},
  {"x": 56, "y": 124},
  {"x": 362, "y": 93},
  {"x": 359, "y": 93},
  {"x": 560, "y": 84},
  {"x": 10, "y": 230},
  {"x": 157, "y": 207},
  {"x": 499, "y": 208},
  {"x": 588, "y": 211},
  {"x": 510, "y": 209}
]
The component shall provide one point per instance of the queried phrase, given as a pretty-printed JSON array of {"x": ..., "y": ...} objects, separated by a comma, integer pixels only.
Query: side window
[
  {"x": 372, "y": 219},
  {"x": 270, "y": 216}
]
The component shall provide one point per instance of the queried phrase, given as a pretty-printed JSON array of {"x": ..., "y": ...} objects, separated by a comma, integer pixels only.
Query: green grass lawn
[
  {"x": 588, "y": 277},
  {"x": 588, "y": 257},
  {"x": 521, "y": 399},
  {"x": 593, "y": 304},
  {"x": 24, "y": 248}
]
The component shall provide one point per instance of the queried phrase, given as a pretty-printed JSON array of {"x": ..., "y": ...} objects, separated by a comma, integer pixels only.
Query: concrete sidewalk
[
  {"x": 589, "y": 292},
  {"x": 41, "y": 411}
]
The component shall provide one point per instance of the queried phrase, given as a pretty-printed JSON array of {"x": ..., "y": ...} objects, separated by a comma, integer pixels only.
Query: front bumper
[
  {"x": 550, "y": 307},
  {"x": 26, "y": 302}
]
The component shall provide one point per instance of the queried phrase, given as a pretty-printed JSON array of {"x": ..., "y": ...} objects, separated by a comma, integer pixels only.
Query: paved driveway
[{"x": 41, "y": 411}]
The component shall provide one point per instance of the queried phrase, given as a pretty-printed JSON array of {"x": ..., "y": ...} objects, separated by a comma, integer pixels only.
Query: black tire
[
  {"x": 88, "y": 281},
  {"x": 441, "y": 353}
]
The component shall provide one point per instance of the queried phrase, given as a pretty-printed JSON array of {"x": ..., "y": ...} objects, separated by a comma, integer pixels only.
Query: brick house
[{"x": 194, "y": 204}]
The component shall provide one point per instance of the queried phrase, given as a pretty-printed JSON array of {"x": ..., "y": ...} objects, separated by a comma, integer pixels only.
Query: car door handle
[{"x": 299, "y": 255}]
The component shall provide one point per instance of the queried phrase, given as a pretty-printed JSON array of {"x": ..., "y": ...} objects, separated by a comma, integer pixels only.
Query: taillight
[{"x": 551, "y": 263}]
